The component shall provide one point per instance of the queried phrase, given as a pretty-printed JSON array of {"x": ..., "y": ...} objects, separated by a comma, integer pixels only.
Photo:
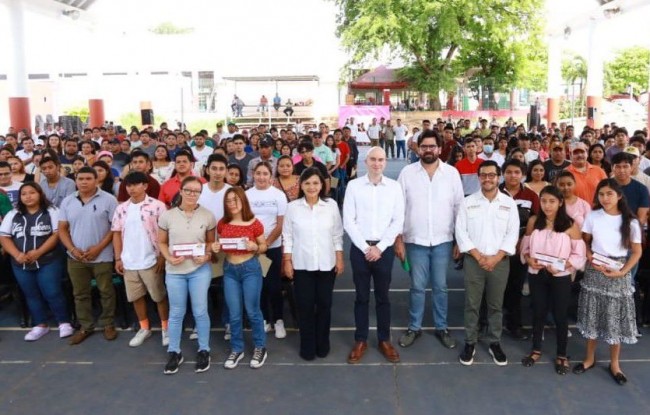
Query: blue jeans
[
  {"x": 401, "y": 145},
  {"x": 428, "y": 264},
  {"x": 244, "y": 281},
  {"x": 196, "y": 283},
  {"x": 43, "y": 288}
]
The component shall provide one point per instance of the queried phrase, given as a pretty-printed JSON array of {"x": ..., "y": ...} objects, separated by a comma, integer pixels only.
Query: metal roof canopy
[
  {"x": 297, "y": 78},
  {"x": 77, "y": 4}
]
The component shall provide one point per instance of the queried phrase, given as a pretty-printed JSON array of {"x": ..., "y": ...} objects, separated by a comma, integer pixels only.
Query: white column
[{"x": 17, "y": 75}]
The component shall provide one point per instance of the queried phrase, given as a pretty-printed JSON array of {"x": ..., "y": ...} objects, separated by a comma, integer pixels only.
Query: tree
[
  {"x": 169, "y": 28},
  {"x": 574, "y": 70},
  {"x": 437, "y": 40},
  {"x": 631, "y": 66}
]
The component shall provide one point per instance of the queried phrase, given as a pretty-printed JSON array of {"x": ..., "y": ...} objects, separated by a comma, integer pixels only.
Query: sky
[{"x": 245, "y": 37}]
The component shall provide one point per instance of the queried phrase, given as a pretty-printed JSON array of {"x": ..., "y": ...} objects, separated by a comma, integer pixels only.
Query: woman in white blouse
[{"x": 312, "y": 235}]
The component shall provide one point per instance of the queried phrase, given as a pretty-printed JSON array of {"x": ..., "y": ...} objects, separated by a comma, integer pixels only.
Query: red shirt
[
  {"x": 170, "y": 189},
  {"x": 228, "y": 230},
  {"x": 153, "y": 190},
  {"x": 345, "y": 151}
]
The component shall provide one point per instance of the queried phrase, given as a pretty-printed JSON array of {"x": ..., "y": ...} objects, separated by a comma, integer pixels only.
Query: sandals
[
  {"x": 562, "y": 365},
  {"x": 531, "y": 359}
]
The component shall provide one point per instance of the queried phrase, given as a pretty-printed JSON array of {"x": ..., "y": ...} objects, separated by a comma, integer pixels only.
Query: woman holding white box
[
  {"x": 606, "y": 306},
  {"x": 553, "y": 249}
]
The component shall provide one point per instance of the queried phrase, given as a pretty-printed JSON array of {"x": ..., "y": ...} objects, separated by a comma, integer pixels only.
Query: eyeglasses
[
  {"x": 190, "y": 192},
  {"x": 488, "y": 175},
  {"x": 428, "y": 147}
]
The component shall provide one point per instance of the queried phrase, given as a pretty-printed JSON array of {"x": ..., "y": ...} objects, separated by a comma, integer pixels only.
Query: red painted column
[
  {"x": 553, "y": 111},
  {"x": 96, "y": 110},
  {"x": 386, "y": 97},
  {"x": 19, "y": 113}
]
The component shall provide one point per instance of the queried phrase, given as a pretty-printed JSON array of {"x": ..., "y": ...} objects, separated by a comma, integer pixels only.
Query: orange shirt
[{"x": 587, "y": 181}]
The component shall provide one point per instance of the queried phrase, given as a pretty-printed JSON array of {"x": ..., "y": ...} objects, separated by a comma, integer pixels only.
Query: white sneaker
[
  {"x": 194, "y": 335},
  {"x": 36, "y": 333},
  {"x": 140, "y": 337},
  {"x": 165, "y": 338},
  {"x": 65, "y": 330},
  {"x": 280, "y": 331},
  {"x": 267, "y": 327},
  {"x": 227, "y": 335}
]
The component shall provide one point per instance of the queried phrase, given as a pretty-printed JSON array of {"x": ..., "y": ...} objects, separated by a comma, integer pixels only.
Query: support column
[
  {"x": 386, "y": 99},
  {"x": 96, "y": 110},
  {"x": 554, "y": 75},
  {"x": 19, "y": 113},
  {"x": 595, "y": 75}
]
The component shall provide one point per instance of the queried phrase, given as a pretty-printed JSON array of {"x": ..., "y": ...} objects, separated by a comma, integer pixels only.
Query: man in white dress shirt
[
  {"x": 432, "y": 194},
  {"x": 487, "y": 231},
  {"x": 374, "y": 130},
  {"x": 373, "y": 216}
]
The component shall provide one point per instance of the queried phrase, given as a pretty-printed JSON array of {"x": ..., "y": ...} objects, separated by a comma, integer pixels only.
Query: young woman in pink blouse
[
  {"x": 554, "y": 234},
  {"x": 576, "y": 208}
]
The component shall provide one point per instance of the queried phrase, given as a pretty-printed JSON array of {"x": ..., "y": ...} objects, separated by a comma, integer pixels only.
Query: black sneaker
[
  {"x": 202, "y": 361},
  {"x": 497, "y": 354},
  {"x": 174, "y": 362},
  {"x": 409, "y": 337},
  {"x": 233, "y": 360},
  {"x": 517, "y": 333},
  {"x": 446, "y": 339},
  {"x": 259, "y": 357},
  {"x": 467, "y": 357}
]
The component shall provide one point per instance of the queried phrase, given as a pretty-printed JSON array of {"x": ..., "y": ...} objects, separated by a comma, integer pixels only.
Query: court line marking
[{"x": 324, "y": 364}]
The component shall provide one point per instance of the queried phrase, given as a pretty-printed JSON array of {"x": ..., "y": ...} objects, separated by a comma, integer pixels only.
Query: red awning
[{"x": 379, "y": 78}]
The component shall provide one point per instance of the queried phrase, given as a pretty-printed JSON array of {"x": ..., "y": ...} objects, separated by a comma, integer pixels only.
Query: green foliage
[
  {"x": 82, "y": 112},
  {"x": 439, "y": 40},
  {"x": 128, "y": 119},
  {"x": 208, "y": 124},
  {"x": 631, "y": 66},
  {"x": 574, "y": 68},
  {"x": 169, "y": 28}
]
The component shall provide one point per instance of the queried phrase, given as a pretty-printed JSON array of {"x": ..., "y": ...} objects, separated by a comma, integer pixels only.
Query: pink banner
[
  {"x": 485, "y": 114},
  {"x": 363, "y": 113}
]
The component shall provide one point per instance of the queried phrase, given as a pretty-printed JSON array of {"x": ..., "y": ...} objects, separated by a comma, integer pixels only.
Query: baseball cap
[
  {"x": 632, "y": 150},
  {"x": 104, "y": 153},
  {"x": 266, "y": 142},
  {"x": 579, "y": 147}
]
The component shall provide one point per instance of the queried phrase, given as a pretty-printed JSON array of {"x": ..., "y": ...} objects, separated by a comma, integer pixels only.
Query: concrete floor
[{"x": 100, "y": 377}]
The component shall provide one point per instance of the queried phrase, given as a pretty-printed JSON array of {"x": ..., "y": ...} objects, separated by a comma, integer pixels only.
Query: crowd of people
[{"x": 538, "y": 211}]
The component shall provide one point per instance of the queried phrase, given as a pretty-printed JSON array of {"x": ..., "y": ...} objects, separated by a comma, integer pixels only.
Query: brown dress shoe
[
  {"x": 80, "y": 336},
  {"x": 357, "y": 352},
  {"x": 110, "y": 333},
  {"x": 389, "y": 352}
]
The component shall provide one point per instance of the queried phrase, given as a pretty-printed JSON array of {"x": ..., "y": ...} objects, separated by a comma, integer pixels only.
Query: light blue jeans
[
  {"x": 428, "y": 264},
  {"x": 196, "y": 283},
  {"x": 244, "y": 281}
]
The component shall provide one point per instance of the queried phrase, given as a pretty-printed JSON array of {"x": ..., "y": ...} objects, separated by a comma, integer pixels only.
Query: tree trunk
[{"x": 436, "y": 105}]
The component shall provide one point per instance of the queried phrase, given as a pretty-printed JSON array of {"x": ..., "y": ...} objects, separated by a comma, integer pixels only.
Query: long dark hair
[
  {"x": 306, "y": 175},
  {"x": 43, "y": 202},
  {"x": 529, "y": 174},
  {"x": 562, "y": 220},
  {"x": 109, "y": 181},
  {"x": 626, "y": 214}
]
